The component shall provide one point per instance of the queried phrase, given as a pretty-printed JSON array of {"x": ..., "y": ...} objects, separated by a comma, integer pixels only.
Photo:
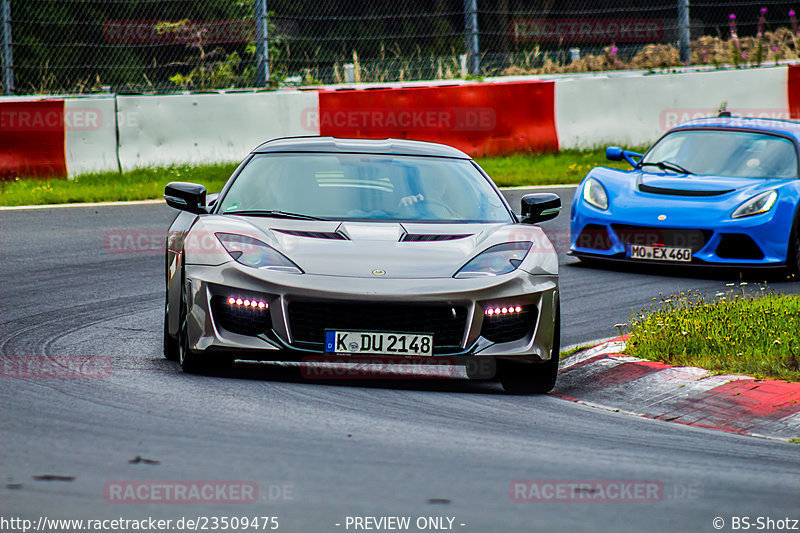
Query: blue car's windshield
[
  {"x": 364, "y": 186},
  {"x": 725, "y": 153}
]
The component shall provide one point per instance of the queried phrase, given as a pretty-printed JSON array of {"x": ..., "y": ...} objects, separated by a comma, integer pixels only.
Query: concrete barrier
[
  {"x": 60, "y": 136},
  {"x": 90, "y": 135},
  {"x": 592, "y": 112},
  {"x": 479, "y": 119},
  {"x": 206, "y": 128},
  {"x": 32, "y": 138}
]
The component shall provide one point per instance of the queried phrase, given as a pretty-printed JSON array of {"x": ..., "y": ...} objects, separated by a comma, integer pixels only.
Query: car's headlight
[
  {"x": 595, "y": 194},
  {"x": 756, "y": 205},
  {"x": 497, "y": 260},
  {"x": 254, "y": 253}
]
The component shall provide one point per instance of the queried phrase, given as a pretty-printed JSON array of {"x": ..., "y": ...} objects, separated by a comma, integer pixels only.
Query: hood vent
[
  {"x": 422, "y": 237},
  {"x": 681, "y": 192},
  {"x": 314, "y": 234}
]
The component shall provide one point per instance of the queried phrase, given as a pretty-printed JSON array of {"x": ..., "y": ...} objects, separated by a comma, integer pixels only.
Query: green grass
[
  {"x": 733, "y": 332},
  {"x": 575, "y": 349},
  {"x": 569, "y": 166},
  {"x": 140, "y": 184}
]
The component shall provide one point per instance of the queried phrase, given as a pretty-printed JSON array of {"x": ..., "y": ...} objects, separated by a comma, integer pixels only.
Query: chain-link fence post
[
  {"x": 262, "y": 44},
  {"x": 684, "y": 35},
  {"x": 5, "y": 47},
  {"x": 471, "y": 31}
]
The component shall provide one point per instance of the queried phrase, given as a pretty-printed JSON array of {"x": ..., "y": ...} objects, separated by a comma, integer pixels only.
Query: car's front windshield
[
  {"x": 350, "y": 186},
  {"x": 725, "y": 153}
]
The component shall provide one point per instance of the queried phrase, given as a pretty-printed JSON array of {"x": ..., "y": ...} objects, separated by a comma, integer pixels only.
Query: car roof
[
  {"x": 367, "y": 146},
  {"x": 767, "y": 125}
]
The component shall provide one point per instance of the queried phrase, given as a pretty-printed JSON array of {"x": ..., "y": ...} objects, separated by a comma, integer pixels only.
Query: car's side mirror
[
  {"x": 540, "y": 207},
  {"x": 189, "y": 197},
  {"x": 615, "y": 153}
]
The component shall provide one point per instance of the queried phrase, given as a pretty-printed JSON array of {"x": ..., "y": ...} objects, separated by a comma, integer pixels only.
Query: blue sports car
[{"x": 720, "y": 191}]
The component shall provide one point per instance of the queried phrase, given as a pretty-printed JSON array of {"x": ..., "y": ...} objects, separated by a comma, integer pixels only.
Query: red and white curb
[{"x": 603, "y": 377}]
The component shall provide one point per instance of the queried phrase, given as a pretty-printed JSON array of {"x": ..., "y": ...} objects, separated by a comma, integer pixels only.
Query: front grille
[
  {"x": 695, "y": 239},
  {"x": 508, "y": 328},
  {"x": 594, "y": 236},
  {"x": 738, "y": 246},
  {"x": 309, "y": 320},
  {"x": 681, "y": 192},
  {"x": 240, "y": 319}
]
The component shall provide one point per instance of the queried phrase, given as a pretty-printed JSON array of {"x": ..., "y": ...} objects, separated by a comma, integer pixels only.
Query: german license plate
[
  {"x": 660, "y": 253},
  {"x": 361, "y": 342}
]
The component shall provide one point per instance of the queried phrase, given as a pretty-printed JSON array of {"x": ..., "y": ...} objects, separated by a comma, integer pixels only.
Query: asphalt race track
[{"x": 322, "y": 451}]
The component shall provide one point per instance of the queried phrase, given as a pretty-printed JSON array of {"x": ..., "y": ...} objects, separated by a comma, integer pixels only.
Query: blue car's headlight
[
  {"x": 497, "y": 260},
  {"x": 595, "y": 194},
  {"x": 756, "y": 205},
  {"x": 254, "y": 253}
]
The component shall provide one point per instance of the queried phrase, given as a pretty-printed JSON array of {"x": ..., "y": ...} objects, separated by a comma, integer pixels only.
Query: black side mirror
[
  {"x": 189, "y": 197},
  {"x": 540, "y": 207}
]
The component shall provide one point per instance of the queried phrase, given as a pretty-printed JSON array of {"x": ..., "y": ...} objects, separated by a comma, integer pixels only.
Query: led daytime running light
[
  {"x": 252, "y": 304},
  {"x": 503, "y": 310}
]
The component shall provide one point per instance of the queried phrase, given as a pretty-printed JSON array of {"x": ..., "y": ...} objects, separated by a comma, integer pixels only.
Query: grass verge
[
  {"x": 575, "y": 349},
  {"x": 735, "y": 332},
  {"x": 569, "y": 166},
  {"x": 140, "y": 184}
]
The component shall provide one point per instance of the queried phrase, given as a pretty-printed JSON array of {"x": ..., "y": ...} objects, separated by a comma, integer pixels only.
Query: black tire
[
  {"x": 193, "y": 362},
  {"x": 532, "y": 378},
  {"x": 793, "y": 253},
  {"x": 170, "y": 342},
  {"x": 588, "y": 262},
  {"x": 188, "y": 360},
  {"x": 481, "y": 368}
]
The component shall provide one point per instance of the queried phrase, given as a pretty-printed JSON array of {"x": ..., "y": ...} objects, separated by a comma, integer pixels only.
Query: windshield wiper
[
  {"x": 667, "y": 165},
  {"x": 272, "y": 213}
]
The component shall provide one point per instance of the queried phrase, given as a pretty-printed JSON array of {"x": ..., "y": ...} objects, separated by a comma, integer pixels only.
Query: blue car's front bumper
[{"x": 757, "y": 241}]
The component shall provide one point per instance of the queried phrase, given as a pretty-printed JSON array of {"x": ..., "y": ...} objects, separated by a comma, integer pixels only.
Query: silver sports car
[{"x": 389, "y": 249}]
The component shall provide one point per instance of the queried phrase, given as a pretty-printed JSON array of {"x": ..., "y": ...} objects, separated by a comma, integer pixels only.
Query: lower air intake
[
  {"x": 238, "y": 318},
  {"x": 308, "y": 321},
  {"x": 509, "y": 327},
  {"x": 738, "y": 246}
]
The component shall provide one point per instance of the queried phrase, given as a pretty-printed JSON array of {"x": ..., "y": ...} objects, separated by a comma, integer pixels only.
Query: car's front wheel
[
  {"x": 170, "y": 342},
  {"x": 532, "y": 378},
  {"x": 193, "y": 362}
]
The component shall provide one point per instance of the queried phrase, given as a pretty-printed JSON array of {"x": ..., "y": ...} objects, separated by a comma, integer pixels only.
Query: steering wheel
[{"x": 427, "y": 203}]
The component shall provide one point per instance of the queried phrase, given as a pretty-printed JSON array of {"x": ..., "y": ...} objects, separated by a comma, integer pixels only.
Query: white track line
[{"x": 85, "y": 204}]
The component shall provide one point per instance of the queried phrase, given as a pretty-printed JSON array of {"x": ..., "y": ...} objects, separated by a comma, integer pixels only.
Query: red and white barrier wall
[
  {"x": 58, "y": 136},
  {"x": 207, "y": 128},
  {"x": 31, "y": 138},
  {"x": 90, "y": 137},
  {"x": 638, "y": 110},
  {"x": 480, "y": 119}
]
